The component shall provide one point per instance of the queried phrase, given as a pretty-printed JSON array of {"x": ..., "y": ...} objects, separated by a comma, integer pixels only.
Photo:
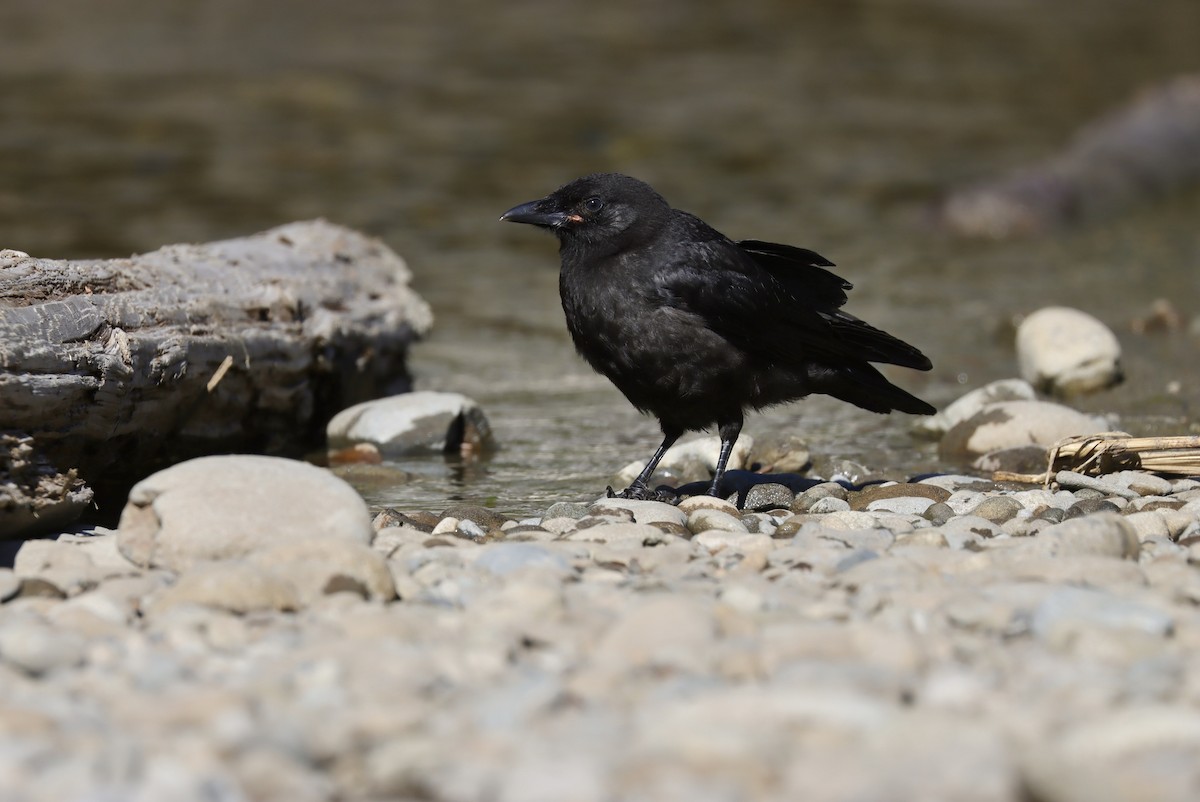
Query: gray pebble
[
  {"x": 828, "y": 504},
  {"x": 997, "y": 509}
]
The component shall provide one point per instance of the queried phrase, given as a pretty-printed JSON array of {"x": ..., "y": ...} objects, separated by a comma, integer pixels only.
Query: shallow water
[{"x": 832, "y": 125}]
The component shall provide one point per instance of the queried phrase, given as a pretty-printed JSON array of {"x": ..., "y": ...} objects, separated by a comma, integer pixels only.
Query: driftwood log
[{"x": 112, "y": 369}]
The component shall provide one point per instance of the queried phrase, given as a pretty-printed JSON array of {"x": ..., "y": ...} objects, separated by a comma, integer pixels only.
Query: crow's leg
[
  {"x": 638, "y": 489},
  {"x": 729, "y": 429}
]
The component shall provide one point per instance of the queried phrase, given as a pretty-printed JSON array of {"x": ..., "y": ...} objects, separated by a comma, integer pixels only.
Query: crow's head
[{"x": 604, "y": 212}]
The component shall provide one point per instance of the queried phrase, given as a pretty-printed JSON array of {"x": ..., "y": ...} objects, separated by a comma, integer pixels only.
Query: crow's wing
[{"x": 770, "y": 299}]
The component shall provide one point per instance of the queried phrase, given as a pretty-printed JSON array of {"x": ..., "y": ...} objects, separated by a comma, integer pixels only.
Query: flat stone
[
  {"x": 1071, "y": 480},
  {"x": 217, "y": 508}
]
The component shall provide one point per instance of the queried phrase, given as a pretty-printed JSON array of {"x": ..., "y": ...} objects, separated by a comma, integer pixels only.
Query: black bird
[{"x": 694, "y": 328}]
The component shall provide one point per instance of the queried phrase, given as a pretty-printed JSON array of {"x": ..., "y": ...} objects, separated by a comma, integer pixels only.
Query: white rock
[
  {"x": 967, "y": 405},
  {"x": 216, "y": 508},
  {"x": 691, "y": 461},
  {"x": 317, "y": 566},
  {"x": 30, "y": 644},
  {"x": 238, "y": 587},
  {"x": 418, "y": 422},
  {"x": 1066, "y": 351},
  {"x": 1105, "y": 534},
  {"x": 1007, "y": 424}
]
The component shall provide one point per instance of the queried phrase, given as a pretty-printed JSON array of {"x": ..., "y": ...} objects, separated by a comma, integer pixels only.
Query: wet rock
[
  {"x": 1065, "y": 352},
  {"x": 413, "y": 423},
  {"x": 1009, "y": 424},
  {"x": 216, "y": 508},
  {"x": 973, "y": 402}
]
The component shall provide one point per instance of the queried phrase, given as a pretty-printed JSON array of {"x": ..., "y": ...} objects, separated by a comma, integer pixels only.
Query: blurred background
[{"x": 838, "y": 126}]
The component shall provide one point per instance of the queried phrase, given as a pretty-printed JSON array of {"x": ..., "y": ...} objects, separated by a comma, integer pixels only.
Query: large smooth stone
[
  {"x": 1063, "y": 351},
  {"x": 217, "y": 508}
]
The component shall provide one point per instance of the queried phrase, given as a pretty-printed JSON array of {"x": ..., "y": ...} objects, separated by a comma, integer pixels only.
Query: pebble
[
  {"x": 926, "y": 631},
  {"x": 1064, "y": 351}
]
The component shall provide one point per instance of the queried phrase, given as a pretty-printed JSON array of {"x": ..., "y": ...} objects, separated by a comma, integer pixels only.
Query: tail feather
[{"x": 864, "y": 386}]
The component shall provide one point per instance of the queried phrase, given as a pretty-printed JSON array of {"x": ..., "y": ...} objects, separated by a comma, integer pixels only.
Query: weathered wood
[{"x": 107, "y": 364}]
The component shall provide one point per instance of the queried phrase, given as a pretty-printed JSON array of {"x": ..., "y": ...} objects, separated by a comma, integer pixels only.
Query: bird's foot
[{"x": 637, "y": 492}]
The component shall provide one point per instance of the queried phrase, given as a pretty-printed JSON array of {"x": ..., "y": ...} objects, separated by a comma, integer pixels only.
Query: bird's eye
[{"x": 593, "y": 204}]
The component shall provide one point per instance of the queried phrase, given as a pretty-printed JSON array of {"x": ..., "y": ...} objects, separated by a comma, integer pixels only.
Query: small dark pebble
[
  {"x": 1052, "y": 514},
  {"x": 768, "y": 496},
  {"x": 997, "y": 509},
  {"x": 938, "y": 513},
  {"x": 1088, "y": 506},
  {"x": 805, "y": 500}
]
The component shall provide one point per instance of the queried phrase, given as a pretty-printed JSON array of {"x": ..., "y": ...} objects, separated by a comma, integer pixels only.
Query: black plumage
[{"x": 695, "y": 328}]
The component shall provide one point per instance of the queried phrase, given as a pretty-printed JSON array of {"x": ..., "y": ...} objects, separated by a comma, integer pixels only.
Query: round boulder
[
  {"x": 1064, "y": 352},
  {"x": 223, "y": 507}
]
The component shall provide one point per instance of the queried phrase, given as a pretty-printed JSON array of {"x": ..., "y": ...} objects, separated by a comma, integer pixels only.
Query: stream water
[{"x": 837, "y": 126}]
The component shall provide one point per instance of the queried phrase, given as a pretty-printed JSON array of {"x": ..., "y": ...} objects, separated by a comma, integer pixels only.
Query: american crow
[{"x": 693, "y": 327}]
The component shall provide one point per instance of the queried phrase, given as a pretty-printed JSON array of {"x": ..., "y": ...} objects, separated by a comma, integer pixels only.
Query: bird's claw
[{"x": 636, "y": 492}]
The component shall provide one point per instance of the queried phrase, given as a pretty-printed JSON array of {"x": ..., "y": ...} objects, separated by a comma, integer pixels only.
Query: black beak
[{"x": 535, "y": 214}]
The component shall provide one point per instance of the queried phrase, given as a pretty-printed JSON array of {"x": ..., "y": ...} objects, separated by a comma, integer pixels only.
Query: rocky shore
[{"x": 950, "y": 638}]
